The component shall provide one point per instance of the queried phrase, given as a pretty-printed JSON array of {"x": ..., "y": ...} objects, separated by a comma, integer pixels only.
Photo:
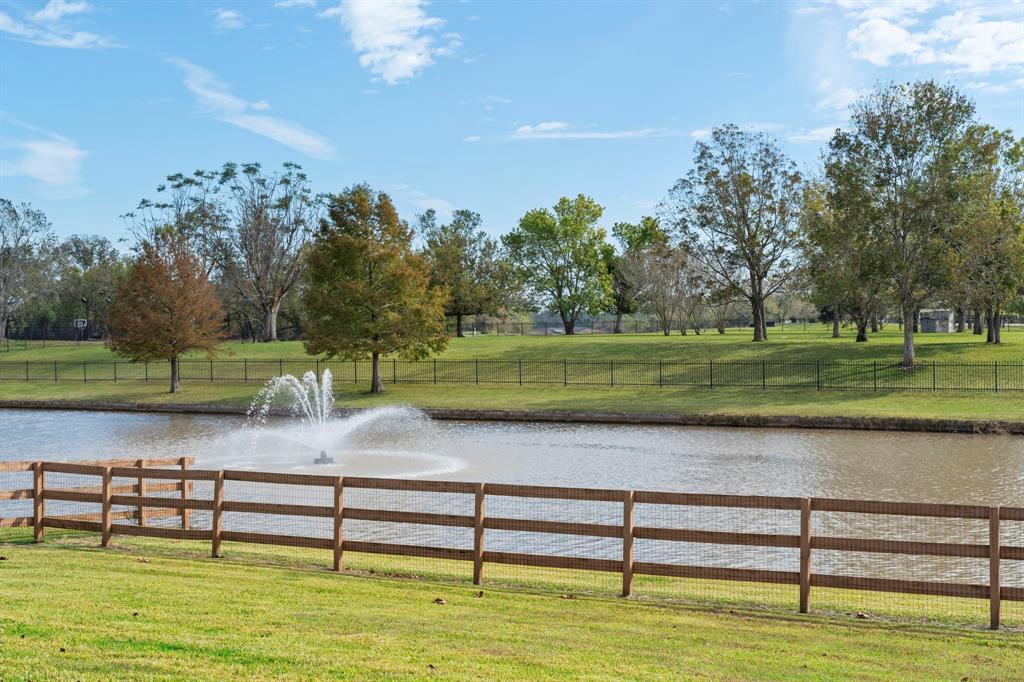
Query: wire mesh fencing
[
  {"x": 864, "y": 375},
  {"x": 942, "y": 563}
]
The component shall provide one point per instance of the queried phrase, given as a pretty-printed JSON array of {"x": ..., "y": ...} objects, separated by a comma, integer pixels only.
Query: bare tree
[
  {"x": 738, "y": 211},
  {"x": 24, "y": 239},
  {"x": 665, "y": 280}
]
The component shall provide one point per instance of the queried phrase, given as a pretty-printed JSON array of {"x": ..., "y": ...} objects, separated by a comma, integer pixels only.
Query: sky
[{"x": 495, "y": 107}]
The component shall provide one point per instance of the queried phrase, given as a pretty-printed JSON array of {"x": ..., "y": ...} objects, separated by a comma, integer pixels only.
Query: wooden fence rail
[{"x": 138, "y": 495}]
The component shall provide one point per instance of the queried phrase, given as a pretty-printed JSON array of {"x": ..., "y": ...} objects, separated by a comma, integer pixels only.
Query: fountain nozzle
[{"x": 323, "y": 458}]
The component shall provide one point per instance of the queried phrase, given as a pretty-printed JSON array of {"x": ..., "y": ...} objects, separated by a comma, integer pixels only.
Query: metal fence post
[
  {"x": 711, "y": 373},
  {"x": 995, "y": 366},
  {"x": 612, "y": 366},
  {"x": 54, "y": 371},
  {"x": 764, "y": 374},
  {"x": 520, "y": 371},
  {"x": 565, "y": 372},
  {"x": 817, "y": 373},
  {"x": 435, "y": 370},
  {"x": 874, "y": 374}
]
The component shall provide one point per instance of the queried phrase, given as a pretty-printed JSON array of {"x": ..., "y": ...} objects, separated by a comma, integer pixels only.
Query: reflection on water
[{"x": 402, "y": 442}]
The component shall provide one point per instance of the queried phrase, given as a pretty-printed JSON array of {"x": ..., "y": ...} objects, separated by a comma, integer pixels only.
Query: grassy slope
[
  {"x": 794, "y": 344},
  {"x": 73, "y": 612}
]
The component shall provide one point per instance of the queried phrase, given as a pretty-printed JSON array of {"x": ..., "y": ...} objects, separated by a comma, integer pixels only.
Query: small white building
[{"x": 937, "y": 321}]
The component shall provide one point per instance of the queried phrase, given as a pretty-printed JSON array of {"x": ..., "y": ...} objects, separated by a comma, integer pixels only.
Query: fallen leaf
[
  {"x": 440, "y": 600},
  {"x": 143, "y": 561}
]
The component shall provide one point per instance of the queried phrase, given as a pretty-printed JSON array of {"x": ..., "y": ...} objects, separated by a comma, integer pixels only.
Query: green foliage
[
  {"x": 561, "y": 256},
  {"x": 366, "y": 292},
  {"x": 464, "y": 261}
]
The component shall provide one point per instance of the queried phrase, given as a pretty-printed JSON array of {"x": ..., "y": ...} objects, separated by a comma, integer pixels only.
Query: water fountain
[{"x": 395, "y": 440}]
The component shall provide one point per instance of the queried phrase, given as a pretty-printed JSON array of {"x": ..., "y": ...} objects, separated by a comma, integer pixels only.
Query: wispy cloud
[
  {"x": 813, "y": 135},
  {"x": 46, "y": 27},
  {"x": 700, "y": 134},
  {"x": 472, "y": 138},
  {"x": 997, "y": 88},
  {"x": 216, "y": 99},
  {"x": 393, "y": 39},
  {"x": 559, "y": 130},
  {"x": 227, "y": 20},
  {"x": 51, "y": 159},
  {"x": 288, "y": 4}
]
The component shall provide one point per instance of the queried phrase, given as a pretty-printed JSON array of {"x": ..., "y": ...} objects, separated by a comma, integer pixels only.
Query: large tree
[
  {"x": 367, "y": 292},
  {"x": 467, "y": 263},
  {"x": 25, "y": 239},
  {"x": 900, "y": 157},
  {"x": 251, "y": 228},
  {"x": 166, "y": 306},
  {"x": 738, "y": 211},
  {"x": 632, "y": 238},
  {"x": 988, "y": 238},
  {"x": 560, "y": 255}
]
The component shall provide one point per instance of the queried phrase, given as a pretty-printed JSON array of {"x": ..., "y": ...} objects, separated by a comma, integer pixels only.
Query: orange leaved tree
[{"x": 165, "y": 307}]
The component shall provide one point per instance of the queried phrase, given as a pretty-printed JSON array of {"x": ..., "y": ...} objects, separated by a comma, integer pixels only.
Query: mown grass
[
  {"x": 138, "y": 611},
  {"x": 732, "y": 401},
  {"x": 790, "y": 344}
]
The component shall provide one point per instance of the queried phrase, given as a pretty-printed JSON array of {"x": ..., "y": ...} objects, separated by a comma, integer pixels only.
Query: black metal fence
[{"x": 764, "y": 374}]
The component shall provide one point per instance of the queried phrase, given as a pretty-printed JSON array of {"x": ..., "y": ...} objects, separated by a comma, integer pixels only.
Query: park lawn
[
  {"x": 71, "y": 611},
  {"x": 729, "y": 401},
  {"x": 791, "y": 344}
]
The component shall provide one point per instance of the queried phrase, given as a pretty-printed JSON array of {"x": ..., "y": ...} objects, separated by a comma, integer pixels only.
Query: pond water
[{"x": 401, "y": 442}]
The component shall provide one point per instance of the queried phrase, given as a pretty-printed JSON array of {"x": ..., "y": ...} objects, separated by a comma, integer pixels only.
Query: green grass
[
  {"x": 793, "y": 344},
  {"x": 71, "y": 611}
]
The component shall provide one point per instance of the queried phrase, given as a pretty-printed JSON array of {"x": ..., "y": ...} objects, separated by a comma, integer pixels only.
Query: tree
[
  {"x": 24, "y": 240},
  {"x": 250, "y": 227},
  {"x": 560, "y": 256},
  {"x": 366, "y": 291},
  {"x": 844, "y": 264},
  {"x": 738, "y": 211},
  {"x": 988, "y": 239},
  {"x": 466, "y": 262},
  {"x": 665, "y": 279},
  {"x": 899, "y": 158},
  {"x": 632, "y": 239},
  {"x": 166, "y": 307}
]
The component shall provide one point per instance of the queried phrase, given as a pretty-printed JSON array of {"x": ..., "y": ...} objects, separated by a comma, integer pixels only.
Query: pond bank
[{"x": 909, "y": 424}]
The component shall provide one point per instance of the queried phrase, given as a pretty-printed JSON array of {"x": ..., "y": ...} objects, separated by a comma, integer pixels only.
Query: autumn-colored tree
[
  {"x": 366, "y": 292},
  {"x": 165, "y": 307}
]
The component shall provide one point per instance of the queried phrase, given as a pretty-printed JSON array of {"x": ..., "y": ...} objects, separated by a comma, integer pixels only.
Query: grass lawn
[
  {"x": 792, "y": 344},
  {"x": 71, "y": 611}
]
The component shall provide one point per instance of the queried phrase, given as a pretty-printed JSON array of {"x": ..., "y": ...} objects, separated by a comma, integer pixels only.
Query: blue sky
[{"x": 496, "y": 107}]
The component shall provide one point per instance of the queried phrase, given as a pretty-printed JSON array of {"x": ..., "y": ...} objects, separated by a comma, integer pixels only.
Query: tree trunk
[
  {"x": 990, "y": 335},
  {"x": 270, "y": 322},
  {"x": 458, "y": 326},
  {"x": 862, "y": 329},
  {"x": 175, "y": 383},
  {"x": 976, "y": 322},
  {"x": 376, "y": 384},
  {"x": 835, "y": 320},
  {"x": 997, "y": 319},
  {"x": 3, "y": 327},
  {"x": 916, "y": 317},
  {"x": 618, "y": 322},
  {"x": 961, "y": 320},
  {"x": 758, "y": 311},
  {"x": 570, "y": 326},
  {"x": 909, "y": 323},
  {"x": 874, "y": 324}
]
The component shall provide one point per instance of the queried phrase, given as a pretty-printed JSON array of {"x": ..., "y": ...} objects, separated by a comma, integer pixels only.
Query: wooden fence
[{"x": 138, "y": 495}]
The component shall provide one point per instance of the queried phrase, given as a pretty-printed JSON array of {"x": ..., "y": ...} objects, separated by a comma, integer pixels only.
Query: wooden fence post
[
  {"x": 339, "y": 517},
  {"x": 105, "y": 516},
  {"x": 38, "y": 503},
  {"x": 478, "y": 534},
  {"x": 628, "y": 521},
  {"x": 218, "y": 512},
  {"x": 186, "y": 485},
  {"x": 805, "y": 554},
  {"x": 994, "y": 583},
  {"x": 141, "y": 463}
]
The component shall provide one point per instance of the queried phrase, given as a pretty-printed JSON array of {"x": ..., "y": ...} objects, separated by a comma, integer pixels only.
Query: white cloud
[
  {"x": 216, "y": 99},
  {"x": 559, "y": 130},
  {"x": 472, "y": 138},
  {"x": 227, "y": 19},
  {"x": 976, "y": 38},
  {"x": 813, "y": 135},
  {"x": 392, "y": 37},
  {"x": 44, "y": 27},
  {"x": 55, "y": 10},
  {"x": 997, "y": 88},
  {"x": 51, "y": 159},
  {"x": 288, "y": 4}
]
